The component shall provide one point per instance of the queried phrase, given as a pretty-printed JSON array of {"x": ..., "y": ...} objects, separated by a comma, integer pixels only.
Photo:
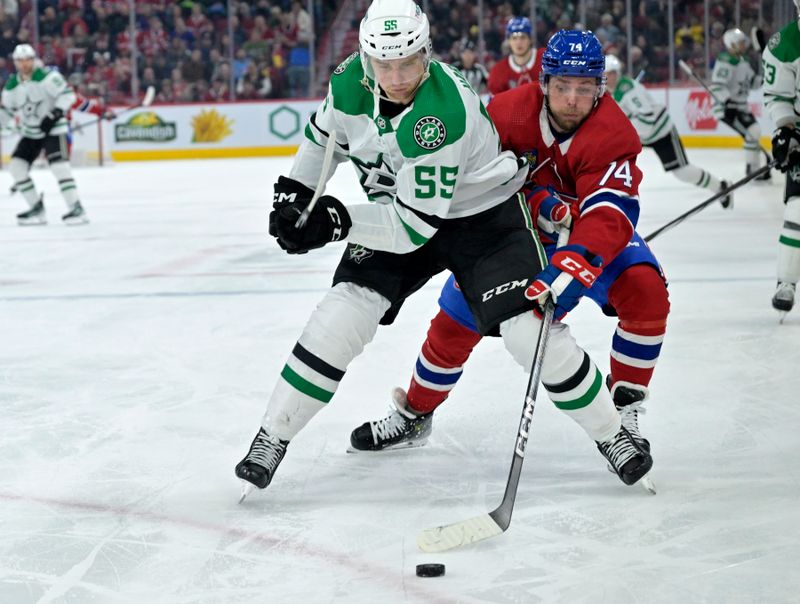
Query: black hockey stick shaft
[
  {"x": 676, "y": 221},
  {"x": 689, "y": 71}
]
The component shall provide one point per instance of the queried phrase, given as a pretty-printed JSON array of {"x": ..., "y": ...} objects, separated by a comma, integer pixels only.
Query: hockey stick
[
  {"x": 758, "y": 38},
  {"x": 710, "y": 200},
  {"x": 147, "y": 100},
  {"x": 690, "y": 72},
  {"x": 496, "y": 522},
  {"x": 326, "y": 165}
]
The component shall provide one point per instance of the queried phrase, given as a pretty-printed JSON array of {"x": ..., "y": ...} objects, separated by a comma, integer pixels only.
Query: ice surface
[{"x": 138, "y": 353}]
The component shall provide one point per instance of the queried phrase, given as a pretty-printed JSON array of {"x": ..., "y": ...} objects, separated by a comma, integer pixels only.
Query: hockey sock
[
  {"x": 337, "y": 331},
  {"x": 697, "y": 176},
  {"x": 639, "y": 295},
  {"x": 752, "y": 148},
  {"x": 570, "y": 377},
  {"x": 19, "y": 169},
  {"x": 789, "y": 243},
  {"x": 63, "y": 173},
  {"x": 440, "y": 362}
]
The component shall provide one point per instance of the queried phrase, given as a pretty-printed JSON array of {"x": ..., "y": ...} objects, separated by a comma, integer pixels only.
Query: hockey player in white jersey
[
  {"x": 656, "y": 129},
  {"x": 731, "y": 82},
  {"x": 781, "y": 59},
  {"x": 445, "y": 199},
  {"x": 42, "y": 99}
]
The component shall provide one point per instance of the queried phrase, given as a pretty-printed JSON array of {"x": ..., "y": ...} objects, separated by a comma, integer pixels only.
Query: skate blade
[
  {"x": 414, "y": 444},
  {"x": 247, "y": 488},
  {"x": 648, "y": 484},
  {"x": 37, "y": 222},
  {"x": 76, "y": 221}
]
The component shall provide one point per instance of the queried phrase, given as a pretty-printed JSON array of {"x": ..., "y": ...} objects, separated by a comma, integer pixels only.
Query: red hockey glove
[{"x": 572, "y": 270}]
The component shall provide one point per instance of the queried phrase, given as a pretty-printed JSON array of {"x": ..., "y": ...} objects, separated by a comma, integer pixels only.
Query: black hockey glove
[
  {"x": 786, "y": 139},
  {"x": 731, "y": 111},
  {"x": 49, "y": 120},
  {"x": 329, "y": 220}
]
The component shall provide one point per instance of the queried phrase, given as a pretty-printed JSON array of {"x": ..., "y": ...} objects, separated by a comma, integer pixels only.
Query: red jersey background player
[{"x": 523, "y": 64}]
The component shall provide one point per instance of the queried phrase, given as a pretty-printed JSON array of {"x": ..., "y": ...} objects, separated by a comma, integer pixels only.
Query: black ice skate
[
  {"x": 259, "y": 465},
  {"x": 761, "y": 177},
  {"x": 628, "y": 399},
  {"x": 726, "y": 200},
  {"x": 34, "y": 216},
  {"x": 400, "y": 429},
  {"x": 626, "y": 457},
  {"x": 77, "y": 215},
  {"x": 783, "y": 300}
]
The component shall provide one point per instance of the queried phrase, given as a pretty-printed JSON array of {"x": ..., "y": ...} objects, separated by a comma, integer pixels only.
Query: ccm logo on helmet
[{"x": 573, "y": 62}]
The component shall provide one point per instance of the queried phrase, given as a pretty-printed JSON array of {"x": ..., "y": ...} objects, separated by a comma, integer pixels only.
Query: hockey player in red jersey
[
  {"x": 524, "y": 62},
  {"x": 584, "y": 177}
]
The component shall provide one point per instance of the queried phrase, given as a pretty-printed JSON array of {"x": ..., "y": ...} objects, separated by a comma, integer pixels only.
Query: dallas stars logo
[
  {"x": 429, "y": 132},
  {"x": 377, "y": 178}
]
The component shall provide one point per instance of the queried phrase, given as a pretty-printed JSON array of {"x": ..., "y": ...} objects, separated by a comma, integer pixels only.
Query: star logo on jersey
[
  {"x": 794, "y": 173},
  {"x": 359, "y": 253},
  {"x": 429, "y": 132},
  {"x": 377, "y": 178},
  {"x": 343, "y": 65},
  {"x": 774, "y": 41}
]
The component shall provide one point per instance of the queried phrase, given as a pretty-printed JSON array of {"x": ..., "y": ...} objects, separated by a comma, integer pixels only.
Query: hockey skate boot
[
  {"x": 783, "y": 300},
  {"x": 626, "y": 457},
  {"x": 726, "y": 201},
  {"x": 77, "y": 215},
  {"x": 401, "y": 428},
  {"x": 628, "y": 399},
  {"x": 259, "y": 465},
  {"x": 35, "y": 215},
  {"x": 767, "y": 175}
]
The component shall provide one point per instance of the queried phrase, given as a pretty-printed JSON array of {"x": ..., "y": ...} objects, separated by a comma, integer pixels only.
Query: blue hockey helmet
[
  {"x": 571, "y": 52},
  {"x": 519, "y": 25}
]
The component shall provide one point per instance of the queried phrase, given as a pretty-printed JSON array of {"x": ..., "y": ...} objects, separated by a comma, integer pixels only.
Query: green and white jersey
[
  {"x": 438, "y": 159},
  {"x": 782, "y": 76},
  {"x": 732, "y": 79},
  {"x": 34, "y": 98},
  {"x": 650, "y": 118}
]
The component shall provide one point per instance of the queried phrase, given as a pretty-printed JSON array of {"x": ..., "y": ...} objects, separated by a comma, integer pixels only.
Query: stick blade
[
  {"x": 683, "y": 65},
  {"x": 451, "y": 536},
  {"x": 149, "y": 96}
]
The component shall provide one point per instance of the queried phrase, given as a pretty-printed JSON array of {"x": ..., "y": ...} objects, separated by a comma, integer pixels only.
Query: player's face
[
  {"x": 612, "y": 77},
  {"x": 399, "y": 78},
  {"x": 24, "y": 66},
  {"x": 520, "y": 44},
  {"x": 571, "y": 100}
]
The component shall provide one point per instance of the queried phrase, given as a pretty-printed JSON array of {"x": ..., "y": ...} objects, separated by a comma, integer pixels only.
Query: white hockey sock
[
  {"x": 343, "y": 323},
  {"x": 572, "y": 380},
  {"x": 20, "y": 172},
  {"x": 63, "y": 173},
  {"x": 697, "y": 176},
  {"x": 789, "y": 243}
]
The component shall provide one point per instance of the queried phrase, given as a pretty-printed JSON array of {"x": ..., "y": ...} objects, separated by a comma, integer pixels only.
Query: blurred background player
[
  {"x": 731, "y": 82},
  {"x": 782, "y": 100},
  {"x": 448, "y": 201},
  {"x": 474, "y": 72},
  {"x": 524, "y": 62},
  {"x": 656, "y": 130},
  {"x": 587, "y": 153},
  {"x": 42, "y": 98}
]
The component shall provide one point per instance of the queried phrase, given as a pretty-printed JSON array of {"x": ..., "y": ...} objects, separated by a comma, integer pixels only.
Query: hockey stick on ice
[
  {"x": 147, "y": 100},
  {"x": 496, "y": 522},
  {"x": 330, "y": 146},
  {"x": 710, "y": 200},
  {"x": 690, "y": 72}
]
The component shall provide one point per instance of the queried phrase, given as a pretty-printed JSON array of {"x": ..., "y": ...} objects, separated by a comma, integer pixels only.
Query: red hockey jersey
[
  {"x": 506, "y": 74},
  {"x": 594, "y": 168}
]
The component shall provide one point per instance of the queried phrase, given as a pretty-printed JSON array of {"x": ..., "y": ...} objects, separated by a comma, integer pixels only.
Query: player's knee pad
[
  {"x": 641, "y": 300},
  {"x": 343, "y": 323},
  {"x": 791, "y": 212},
  {"x": 61, "y": 170},
  {"x": 19, "y": 169},
  {"x": 563, "y": 357}
]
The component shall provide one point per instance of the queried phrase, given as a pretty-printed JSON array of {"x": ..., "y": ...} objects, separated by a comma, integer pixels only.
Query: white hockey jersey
[
  {"x": 438, "y": 159},
  {"x": 782, "y": 76},
  {"x": 732, "y": 79},
  {"x": 33, "y": 99},
  {"x": 651, "y": 119}
]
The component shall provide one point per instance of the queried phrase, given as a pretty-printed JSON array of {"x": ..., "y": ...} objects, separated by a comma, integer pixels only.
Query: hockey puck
[{"x": 430, "y": 570}]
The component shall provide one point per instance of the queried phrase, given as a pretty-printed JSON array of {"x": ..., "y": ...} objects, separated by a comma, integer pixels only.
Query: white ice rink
[{"x": 138, "y": 353}]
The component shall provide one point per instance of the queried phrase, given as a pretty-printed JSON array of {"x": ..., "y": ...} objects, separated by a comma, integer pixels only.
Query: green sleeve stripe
[
  {"x": 655, "y": 134},
  {"x": 583, "y": 401},
  {"x": 778, "y": 99},
  {"x": 416, "y": 238},
  {"x": 787, "y": 241},
  {"x": 310, "y": 136},
  {"x": 303, "y": 385}
]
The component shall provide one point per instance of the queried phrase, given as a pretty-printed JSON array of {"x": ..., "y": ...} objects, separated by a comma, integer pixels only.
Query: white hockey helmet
[
  {"x": 394, "y": 29},
  {"x": 735, "y": 40},
  {"x": 614, "y": 64},
  {"x": 23, "y": 51}
]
